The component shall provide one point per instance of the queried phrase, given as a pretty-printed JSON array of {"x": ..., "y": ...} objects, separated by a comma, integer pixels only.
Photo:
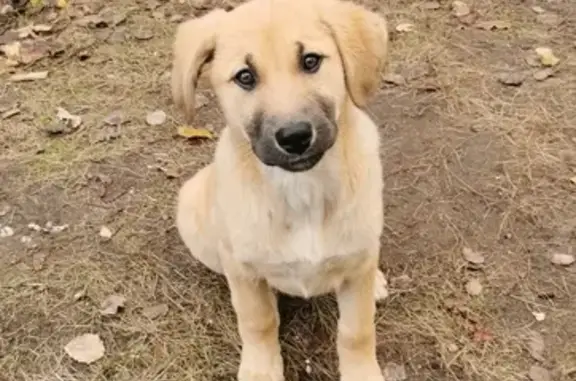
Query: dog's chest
[{"x": 305, "y": 252}]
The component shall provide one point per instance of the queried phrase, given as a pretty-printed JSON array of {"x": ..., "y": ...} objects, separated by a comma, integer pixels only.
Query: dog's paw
[
  {"x": 380, "y": 287},
  {"x": 367, "y": 372},
  {"x": 268, "y": 369}
]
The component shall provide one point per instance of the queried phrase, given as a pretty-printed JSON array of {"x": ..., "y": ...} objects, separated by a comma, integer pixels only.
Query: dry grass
[{"x": 469, "y": 163}]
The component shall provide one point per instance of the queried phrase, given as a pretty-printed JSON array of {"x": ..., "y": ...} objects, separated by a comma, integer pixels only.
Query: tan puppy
[{"x": 293, "y": 199}]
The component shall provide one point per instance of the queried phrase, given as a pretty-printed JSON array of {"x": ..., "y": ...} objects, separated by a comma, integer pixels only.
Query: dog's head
[{"x": 283, "y": 71}]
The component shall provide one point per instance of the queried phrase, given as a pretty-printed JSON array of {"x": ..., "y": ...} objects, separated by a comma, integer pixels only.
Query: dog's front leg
[
  {"x": 356, "y": 329},
  {"x": 258, "y": 321}
]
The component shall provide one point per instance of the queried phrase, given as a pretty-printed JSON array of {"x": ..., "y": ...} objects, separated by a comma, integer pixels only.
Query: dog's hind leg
[{"x": 195, "y": 219}]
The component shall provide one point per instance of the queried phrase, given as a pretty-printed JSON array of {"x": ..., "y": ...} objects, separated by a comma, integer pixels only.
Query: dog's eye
[
  {"x": 245, "y": 79},
  {"x": 311, "y": 62}
]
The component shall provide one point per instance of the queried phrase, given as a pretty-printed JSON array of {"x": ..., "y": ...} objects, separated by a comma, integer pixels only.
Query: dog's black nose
[{"x": 295, "y": 138}]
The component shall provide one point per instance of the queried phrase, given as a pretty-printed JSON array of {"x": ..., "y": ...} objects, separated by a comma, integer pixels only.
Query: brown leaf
[
  {"x": 562, "y": 259},
  {"x": 430, "y": 5},
  {"x": 511, "y": 79},
  {"x": 550, "y": 19},
  {"x": 32, "y": 76},
  {"x": 536, "y": 346},
  {"x": 112, "y": 305},
  {"x": 493, "y": 25},
  {"x": 156, "y": 118},
  {"x": 394, "y": 372},
  {"x": 156, "y": 311},
  {"x": 195, "y": 133},
  {"x": 472, "y": 256},
  {"x": 537, "y": 373},
  {"x": 85, "y": 348},
  {"x": 543, "y": 74},
  {"x": 460, "y": 8},
  {"x": 395, "y": 79},
  {"x": 474, "y": 287}
]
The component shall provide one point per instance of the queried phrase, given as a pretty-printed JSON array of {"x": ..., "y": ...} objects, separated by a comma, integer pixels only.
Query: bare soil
[{"x": 469, "y": 162}]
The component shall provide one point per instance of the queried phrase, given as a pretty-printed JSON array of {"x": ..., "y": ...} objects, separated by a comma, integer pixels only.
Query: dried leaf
[
  {"x": 156, "y": 311},
  {"x": 27, "y": 77},
  {"x": 543, "y": 74},
  {"x": 430, "y": 5},
  {"x": 70, "y": 120},
  {"x": 493, "y": 25},
  {"x": 86, "y": 348},
  {"x": 156, "y": 118},
  {"x": 405, "y": 27},
  {"x": 395, "y": 79},
  {"x": 547, "y": 57},
  {"x": 6, "y": 231},
  {"x": 116, "y": 118},
  {"x": 538, "y": 9},
  {"x": 562, "y": 259},
  {"x": 460, "y": 9},
  {"x": 394, "y": 372},
  {"x": 474, "y": 287},
  {"x": 195, "y": 133},
  {"x": 512, "y": 78},
  {"x": 536, "y": 346},
  {"x": 472, "y": 256},
  {"x": 112, "y": 305},
  {"x": 105, "y": 232},
  {"x": 550, "y": 19},
  {"x": 537, "y": 373}
]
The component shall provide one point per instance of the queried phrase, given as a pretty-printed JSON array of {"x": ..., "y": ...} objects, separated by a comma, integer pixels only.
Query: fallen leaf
[
  {"x": 474, "y": 287},
  {"x": 537, "y": 373},
  {"x": 512, "y": 78},
  {"x": 112, "y": 305},
  {"x": 395, "y": 79},
  {"x": 142, "y": 33},
  {"x": 562, "y": 259},
  {"x": 536, "y": 346},
  {"x": 543, "y": 74},
  {"x": 430, "y": 5},
  {"x": 6, "y": 231},
  {"x": 156, "y": 311},
  {"x": 394, "y": 372},
  {"x": 156, "y": 118},
  {"x": 105, "y": 232},
  {"x": 195, "y": 133},
  {"x": 538, "y": 9},
  {"x": 472, "y": 256},
  {"x": 405, "y": 27},
  {"x": 460, "y": 8},
  {"x": 539, "y": 316},
  {"x": 12, "y": 50},
  {"x": 547, "y": 57},
  {"x": 27, "y": 77},
  {"x": 493, "y": 25},
  {"x": 38, "y": 260},
  {"x": 70, "y": 120},
  {"x": 550, "y": 19},
  {"x": 85, "y": 348},
  {"x": 116, "y": 118}
]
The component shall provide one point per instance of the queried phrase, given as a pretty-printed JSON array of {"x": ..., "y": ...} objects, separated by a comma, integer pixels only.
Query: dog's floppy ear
[
  {"x": 362, "y": 40},
  {"x": 193, "y": 47}
]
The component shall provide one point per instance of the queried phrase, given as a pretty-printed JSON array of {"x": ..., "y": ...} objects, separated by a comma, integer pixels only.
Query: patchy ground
[{"x": 479, "y": 143}]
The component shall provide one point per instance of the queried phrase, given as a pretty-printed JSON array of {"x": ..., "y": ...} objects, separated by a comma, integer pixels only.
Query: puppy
[{"x": 293, "y": 199}]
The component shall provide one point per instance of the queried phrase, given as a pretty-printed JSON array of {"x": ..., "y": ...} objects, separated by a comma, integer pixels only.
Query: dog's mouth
[{"x": 301, "y": 164}]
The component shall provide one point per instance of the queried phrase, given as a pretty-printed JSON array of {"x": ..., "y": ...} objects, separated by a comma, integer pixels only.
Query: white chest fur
[{"x": 301, "y": 246}]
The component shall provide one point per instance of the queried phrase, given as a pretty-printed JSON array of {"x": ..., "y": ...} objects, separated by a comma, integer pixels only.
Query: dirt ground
[{"x": 478, "y": 154}]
